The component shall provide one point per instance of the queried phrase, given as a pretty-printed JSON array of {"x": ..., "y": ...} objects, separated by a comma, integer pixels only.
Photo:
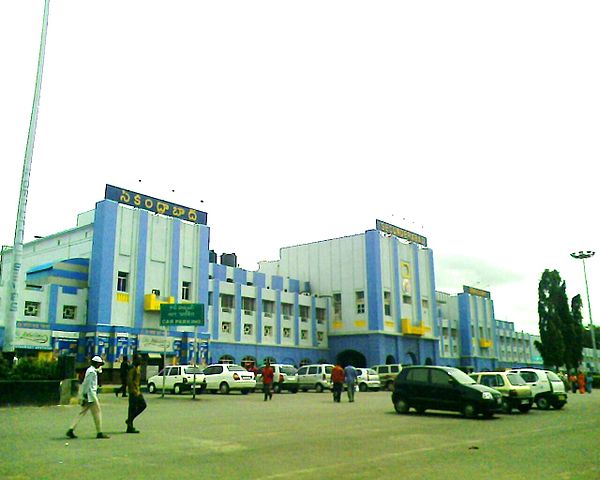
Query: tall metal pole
[
  {"x": 10, "y": 326},
  {"x": 587, "y": 292}
]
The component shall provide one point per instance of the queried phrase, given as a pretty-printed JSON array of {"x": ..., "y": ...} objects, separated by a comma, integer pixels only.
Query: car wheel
[
  {"x": 469, "y": 410},
  {"x": 363, "y": 387},
  {"x": 304, "y": 389},
  {"x": 558, "y": 405},
  {"x": 277, "y": 388},
  {"x": 543, "y": 403},
  {"x": 524, "y": 408},
  {"x": 151, "y": 388},
  {"x": 506, "y": 408},
  {"x": 319, "y": 388},
  {"x": 224, "y": 388},
  {"x": 213, "y": 391},
  {"x": 294, "y": 390},
  {"x": 401, "y": 406},
  {"x": 245, "y": 391},
  {"x": 488, "y": 414},
  {"x": 177, "y": 389},
  {"x": 420, "y": 410}
]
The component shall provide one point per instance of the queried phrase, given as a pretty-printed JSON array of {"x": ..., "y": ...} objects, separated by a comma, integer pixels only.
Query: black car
[{"x": 443, "y": 388}]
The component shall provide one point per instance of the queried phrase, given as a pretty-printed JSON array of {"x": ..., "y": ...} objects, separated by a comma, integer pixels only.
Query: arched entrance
[
  {"x": 351, "y": 357},
  {"x": 390, "y": 360},
  {"x": 411, "y": 359},
  {"x": 226, "y": 359},
  {"x": 428, "y": 361}
]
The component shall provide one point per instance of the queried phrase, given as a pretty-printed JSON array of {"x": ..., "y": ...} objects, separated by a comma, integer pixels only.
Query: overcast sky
[{"x": 474, "y": 123}]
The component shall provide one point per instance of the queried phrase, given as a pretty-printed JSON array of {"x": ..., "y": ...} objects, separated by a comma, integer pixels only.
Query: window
[
  {"x": 287, "y": 332},
  {"x": 337, "y": 306},
  {"x": 122, "y": 282},
  {"x": 303, "y": 334},
  {"x": 438, "y": 377},
  {"x": 69, "y": 312},
  {"x": 425, "y": 303},
  {"x": 32, "y": 309},
  {"x": 267, "y": 331},
  {"x": 304, "y": 313},
  {"x": 384, "y": 369},
  {"x": 210, "y": 298},
  {"x": 394, "y": 369},
  {"x": 248, "y": 329},
  {"x": 320, "y": 336},
  {"x": 29, "y": 286},
  {"x": 268, "y": 308},
  {"x": 313, "y": 370},
  {"x": 407, "y": 299},
  {"x": 186, "y": 288},
  {"x": 248, "y": 304},
  {"x": 418, "y": 375},
  {"x": 286, "y": 309},
  {"x": 387, "y": 304},
  {"x": 320, "y": 312},
  {"x": 360, "y": 302},
  {"x": 227, "y": 302}
]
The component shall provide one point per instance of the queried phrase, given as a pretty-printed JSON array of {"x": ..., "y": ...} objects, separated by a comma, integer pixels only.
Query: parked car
[
  {"x": 515, "y": 391},
  {"x": 367, "y": 379},
  {"x": 316, "y": 377},
  {"x": 387, "y": 374},
  {"x": 177, "y": 379},
  {"x": 285, "y": 377},
  {"x": 443, "y": 388},
  {"x": 547, "y": 388},
  {"x": 224, "y": 377}
]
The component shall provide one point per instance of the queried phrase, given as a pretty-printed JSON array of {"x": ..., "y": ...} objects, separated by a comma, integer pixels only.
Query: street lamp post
[{"x": 582, "y": 256}]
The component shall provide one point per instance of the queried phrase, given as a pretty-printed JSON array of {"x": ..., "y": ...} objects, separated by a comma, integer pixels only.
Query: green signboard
[{"x": 182, "y": 314}]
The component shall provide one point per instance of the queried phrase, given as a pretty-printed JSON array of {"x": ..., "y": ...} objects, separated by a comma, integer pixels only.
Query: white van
[
  {"x": 547, "y": 388},
  {"x": 317, "y": 377}
]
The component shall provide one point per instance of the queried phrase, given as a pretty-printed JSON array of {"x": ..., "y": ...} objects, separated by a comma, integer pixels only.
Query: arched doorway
[
  {"x": 351, "y": 357},
  {"x": 390, "y": 360},
  {"x": 428, "y": 361},
  {"x": 411, "y": 359},
  {"x": 248, "y": 362},
  {"x": 226, "y": 359}
]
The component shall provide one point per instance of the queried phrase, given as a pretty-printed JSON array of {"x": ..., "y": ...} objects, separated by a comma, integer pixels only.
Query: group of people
[
  {"x": 581, "y": 382},
  {"x": 131, "y": 377},
  {"x": 341, "y": 376}
]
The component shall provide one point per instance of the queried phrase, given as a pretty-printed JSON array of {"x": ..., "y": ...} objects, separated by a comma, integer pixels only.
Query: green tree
[
  {"x": 553, "y": 305},
  {"x": 573, "y": 334}
]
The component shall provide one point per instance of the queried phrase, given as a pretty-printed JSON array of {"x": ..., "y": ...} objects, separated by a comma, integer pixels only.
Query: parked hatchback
[
  {"x": 224, "y": 377},
  {"x": 367, "y": 379},
  {"x": 317, "y": 377},
  {"x": 443, "y": 388},
  {"x": 548, "y": 389},
  {"x": 387, "y": 374},
  {"x": 177, "y": 379},
  {"x": 515, "y": 391},
  {"x": 285, "y": 377}
]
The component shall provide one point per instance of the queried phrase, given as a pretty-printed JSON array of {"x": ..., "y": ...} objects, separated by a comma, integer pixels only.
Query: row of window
[
  {"x": 32, "y": 309},
  {"x": 360, "y": 303},
  {"x": 268, "y": 331}
]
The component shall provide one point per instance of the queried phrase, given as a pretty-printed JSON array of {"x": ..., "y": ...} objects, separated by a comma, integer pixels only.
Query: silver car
[{"x": 367, "y": 379}]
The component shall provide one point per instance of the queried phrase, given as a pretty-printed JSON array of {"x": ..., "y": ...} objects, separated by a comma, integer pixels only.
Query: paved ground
[{"x": 302, "y": 436}]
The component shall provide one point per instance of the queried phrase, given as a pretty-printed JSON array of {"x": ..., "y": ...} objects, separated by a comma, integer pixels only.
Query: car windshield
[
  {"x": 288, "y": 370},
  {"x": 553, "y": 377},
  {"x": 236, "y": 368},
  {"x": 461, "y": 377},
  {"x": 370, "y": 371},
  {"x": 516, "y": 379},
  {"x": 192, "y": 370}
]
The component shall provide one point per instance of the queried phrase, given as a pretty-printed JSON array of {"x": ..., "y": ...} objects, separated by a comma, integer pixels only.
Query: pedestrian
[
  {"x": 123, "y": 373},
  {"x": 350, "y": 379},
  {"x": 581, "y": 381},
  {"x": 137, "y": 404},
  {"x": 337, "y": 379},
  {"x": 573, "y": 380},
  {"x": 89, "y": 398},
  {"x": 267, "y": 378},
  {"x": 589, "y": 379}
]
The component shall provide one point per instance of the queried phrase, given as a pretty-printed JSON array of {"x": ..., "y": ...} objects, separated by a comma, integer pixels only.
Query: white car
[
  {"x": 285, "y": 377},
  {"x": 224, "y": 377},
  {"x": 367, "y": 379},
  {"x": 317, "y": 377},
  {"x": 177, "y": 379},
  {"x": 547, "y": 388}
]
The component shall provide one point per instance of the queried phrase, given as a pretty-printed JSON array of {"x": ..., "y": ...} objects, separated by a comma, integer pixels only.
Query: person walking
[
  {"x": 123, "y": 373},
  {"x": 589, "y": 380},
  {"x": 581, "y": 381},
  {"x": 337, "y": 379},
  {"x": 350, "y": 379},
  {"x": 89, "y": 399},
  {"x": 137, "y": 404},
  {"x": 267, "y": 378}
]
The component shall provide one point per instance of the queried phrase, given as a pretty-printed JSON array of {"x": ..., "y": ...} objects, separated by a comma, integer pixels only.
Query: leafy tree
[
  {"x": 573, "y": 334},
  {"x": 553, "y": 306}
]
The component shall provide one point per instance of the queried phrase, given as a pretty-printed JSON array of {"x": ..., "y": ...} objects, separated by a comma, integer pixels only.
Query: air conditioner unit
[
  {"x": 226, "y": 327},
  {"x": 247, "y": 329},
  {"x": 155, "y": 292}
]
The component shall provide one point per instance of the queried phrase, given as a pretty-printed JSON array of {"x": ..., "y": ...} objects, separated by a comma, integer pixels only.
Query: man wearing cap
[{"x": 89, "y": 398}]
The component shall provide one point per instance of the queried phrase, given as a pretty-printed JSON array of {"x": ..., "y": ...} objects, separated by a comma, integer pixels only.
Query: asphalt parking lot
[{"x": 301, "y": 436}]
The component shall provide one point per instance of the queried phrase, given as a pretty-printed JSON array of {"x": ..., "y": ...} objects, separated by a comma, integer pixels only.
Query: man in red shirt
[
  {"x": 267, "y": 378},
  {"x": 337, "y": 379}
]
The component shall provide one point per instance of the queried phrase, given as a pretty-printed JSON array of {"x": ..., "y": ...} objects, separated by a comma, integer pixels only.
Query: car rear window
[
  {"x": 370, "y": 371},
  {"x": 553, "y": 377},
  {"x": 236, "y": 368},
  {"x": 328, "y": 369},
  {"x": 529, "y": 376},
  {"x": 192, "y": 370},
  {"x": 288, "y": 370}
]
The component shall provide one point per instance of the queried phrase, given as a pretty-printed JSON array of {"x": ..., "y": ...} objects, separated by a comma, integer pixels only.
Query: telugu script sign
[
  {"x": 476, "y": 291},
  {"x": 401, "y": 233},
  {"x": 138, "y": 200},
  {"x": 182, "y": 314}
]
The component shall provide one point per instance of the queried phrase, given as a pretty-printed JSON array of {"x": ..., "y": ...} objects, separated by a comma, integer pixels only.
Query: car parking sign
[{"x": 182, "y": 314}]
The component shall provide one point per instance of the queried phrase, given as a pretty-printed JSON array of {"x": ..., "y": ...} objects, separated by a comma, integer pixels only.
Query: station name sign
[
  {"x": 477, "y": 292},
  {"x": 155, "y": 205},
  {"x": 401, "y": 233}
]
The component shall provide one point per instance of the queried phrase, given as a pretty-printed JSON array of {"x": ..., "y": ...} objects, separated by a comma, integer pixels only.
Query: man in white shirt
[{"x": 89, "y": 398}]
